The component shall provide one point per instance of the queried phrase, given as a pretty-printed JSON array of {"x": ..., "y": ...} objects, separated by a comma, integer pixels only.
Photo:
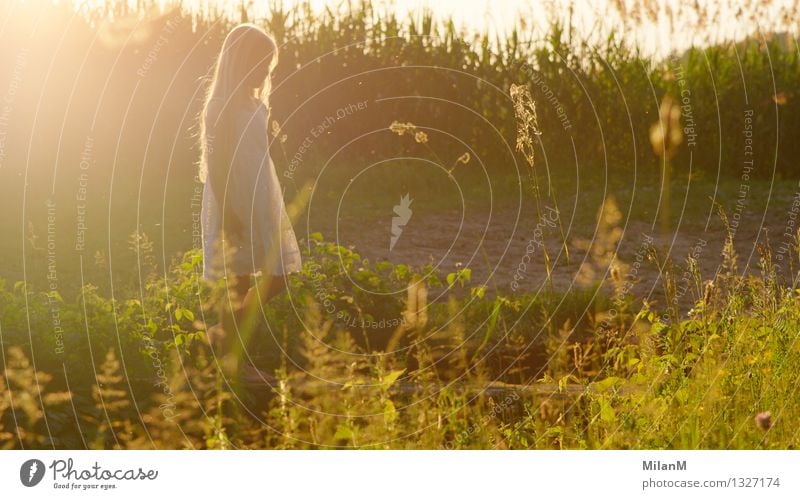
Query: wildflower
[
  {"x": 421, "y": 137},
  {"x": 401, "y": 128},
  {"x": 764, "y": 420},
  {"x": 780, "y": 99}
]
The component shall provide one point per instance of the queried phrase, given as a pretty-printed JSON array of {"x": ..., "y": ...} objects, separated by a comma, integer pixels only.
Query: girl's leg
[
  {"x": 238, "y": 291},
  {"x": 269, "y": 287},
  {"x": 232, "y": 312},
  {"x": 243, "y": 311}
]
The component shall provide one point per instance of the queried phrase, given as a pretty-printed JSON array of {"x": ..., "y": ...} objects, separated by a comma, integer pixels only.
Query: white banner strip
[{"x": 399, "y": 474}]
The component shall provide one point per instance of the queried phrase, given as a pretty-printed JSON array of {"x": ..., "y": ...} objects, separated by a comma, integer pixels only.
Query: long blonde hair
[{"x": 246, "y": 51}]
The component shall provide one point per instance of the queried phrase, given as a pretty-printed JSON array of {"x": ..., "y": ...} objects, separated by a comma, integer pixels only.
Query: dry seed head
[
  {"x": 666, "y": 134},
  {"x": 764, "y": 420},
  {"x": 615, "y": 274},
  {"x": 548, "y": 411},
  {"x": 708, "y": 293},
  {"x": 527, "y": 123}
]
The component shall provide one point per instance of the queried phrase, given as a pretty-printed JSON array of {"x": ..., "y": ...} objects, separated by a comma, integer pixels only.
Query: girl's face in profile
[
  {"x": 259, "y": 73},
  {"x": 261, "y": 55}
]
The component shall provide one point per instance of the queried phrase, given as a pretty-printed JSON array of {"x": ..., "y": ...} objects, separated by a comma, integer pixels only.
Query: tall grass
[{"x": 725, "y": 377}]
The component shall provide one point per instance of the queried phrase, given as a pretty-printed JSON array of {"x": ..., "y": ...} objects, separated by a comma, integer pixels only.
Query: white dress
[{"x": 268, "y": 241}]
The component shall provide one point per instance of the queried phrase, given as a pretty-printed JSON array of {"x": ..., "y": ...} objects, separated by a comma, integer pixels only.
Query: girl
[{"x": 245, "y": 227}]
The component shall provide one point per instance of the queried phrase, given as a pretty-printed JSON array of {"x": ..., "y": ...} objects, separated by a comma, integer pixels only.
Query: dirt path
[{"x": 505, "y": 248}]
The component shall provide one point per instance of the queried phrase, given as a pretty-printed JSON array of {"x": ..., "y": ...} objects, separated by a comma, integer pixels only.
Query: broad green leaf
[
  {"x": 390, "y": 378},
  {"x": 606, "y": 384},
  {"x": 479, "y": 292},
  {"x": 188, "y": 314},
  {"x": 344, "y": 432},
  {"x": 607, "y": 413}
]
